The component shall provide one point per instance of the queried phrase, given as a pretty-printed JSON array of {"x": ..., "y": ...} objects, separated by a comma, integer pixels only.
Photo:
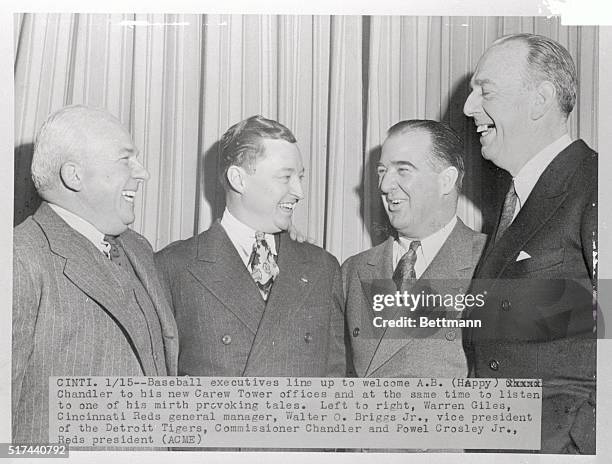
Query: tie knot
[
  {"x": 112, "y": 251},
  {"x": 414, "y": 245},
  {"x": 110, "y": 239},
  {"x": 511, "y": 190}
]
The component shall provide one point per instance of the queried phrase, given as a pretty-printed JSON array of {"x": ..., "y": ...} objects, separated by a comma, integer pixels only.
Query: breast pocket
[{"x": 546, "y": 259}]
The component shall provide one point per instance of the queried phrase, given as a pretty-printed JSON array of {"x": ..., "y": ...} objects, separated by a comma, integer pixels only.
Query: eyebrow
[
  {"x": 129, "y": 150},
  {"x": 291, "y": 170},
  {"x": 398, "y": 163}
]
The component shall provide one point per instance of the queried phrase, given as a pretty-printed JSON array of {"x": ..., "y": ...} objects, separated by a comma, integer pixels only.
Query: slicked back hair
[
  {"x": 242, "y": 144},
  {"x": 446, "y": 145}
]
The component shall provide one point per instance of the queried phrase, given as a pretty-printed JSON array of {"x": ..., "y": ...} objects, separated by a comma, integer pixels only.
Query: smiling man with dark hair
[
  {"x": 248, "y": 300},
  {"x": 419, "y": 176}
]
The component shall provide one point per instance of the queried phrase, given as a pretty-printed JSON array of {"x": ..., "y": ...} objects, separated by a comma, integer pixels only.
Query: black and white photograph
[{"x": 282, "y": 195}]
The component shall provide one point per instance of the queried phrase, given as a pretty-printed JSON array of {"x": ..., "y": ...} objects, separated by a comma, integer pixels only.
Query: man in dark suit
[
  {"x": 420, "y": 174},
  {"x": 537, "y": 270},
  {"x": 247, "y": 299},
  {"x": 83, "y": 306}
]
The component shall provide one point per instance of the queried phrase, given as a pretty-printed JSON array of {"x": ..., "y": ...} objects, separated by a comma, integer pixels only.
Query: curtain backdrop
[{"x": 338, "y": 82}]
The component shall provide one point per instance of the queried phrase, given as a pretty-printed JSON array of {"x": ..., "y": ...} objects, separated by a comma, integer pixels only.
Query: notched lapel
[
  {"x": 376, "y": 278},
  {"x": 142, "y": 261},
  {"x": 221, "y": 271}
]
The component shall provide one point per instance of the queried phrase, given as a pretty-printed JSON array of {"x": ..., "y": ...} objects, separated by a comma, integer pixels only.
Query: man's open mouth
[
  {"x": 485, "y": 129},
  {"x": 394, "y": 203},
  {"x": 287, "y": 206},
  {"x": 129, "y": 195}
]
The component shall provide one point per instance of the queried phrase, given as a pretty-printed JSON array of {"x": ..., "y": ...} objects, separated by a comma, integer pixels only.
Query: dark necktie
[
  {"x": 507, "y": 212},
  {"x": 262, "y": 264},
  {"x": 116, "y": 253},
  {"x": 404, "y": 271}
]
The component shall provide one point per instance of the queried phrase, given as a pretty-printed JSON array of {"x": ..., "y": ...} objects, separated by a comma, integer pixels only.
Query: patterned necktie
[
  {"x": 116, "y": 253},
  {"x": 262, "y": 264},
  {"x": 404, "y": 271},
  {"x": 507, "y": 214}
]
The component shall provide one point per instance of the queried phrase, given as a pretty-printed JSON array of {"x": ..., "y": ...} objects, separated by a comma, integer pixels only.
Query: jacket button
[
  {"x": 226, "y": 339},
  {"x": 493, "y": 365},
  {"x": 505, "y": 305},
  {"x": 450, "y": 335},
  {"x": 308, "y": 337},
  {"x": 356, "y": 332}
]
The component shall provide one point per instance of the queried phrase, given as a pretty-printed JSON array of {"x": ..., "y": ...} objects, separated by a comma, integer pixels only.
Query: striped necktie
[
  {"x": 405, "y": 273},
  {"x": 507, "y": 214}
]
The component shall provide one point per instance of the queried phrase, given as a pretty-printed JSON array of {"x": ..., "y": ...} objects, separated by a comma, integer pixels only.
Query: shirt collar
[
  {"x": 528, "y": 176},
  {"x": 86, "y": 229},
  {"x": 430, "y": 246},
  {"x": 242, "y": 236}
]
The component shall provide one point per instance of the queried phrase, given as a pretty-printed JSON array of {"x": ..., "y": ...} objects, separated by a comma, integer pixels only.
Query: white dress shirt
[
  {"x": 528, "y": 176},
  {"x": 83, "y": 227},
  {"x": 427, "y": 251},
  {"x": 243, "y": 237}
]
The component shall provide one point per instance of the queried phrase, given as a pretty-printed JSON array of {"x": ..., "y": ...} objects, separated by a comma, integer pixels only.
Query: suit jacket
[
  {"x": 538, "y": 320},
  {"x": 408, "y": 352},
  {"x": 70, "y": 316},
  {"x": 226, "y": 328}
]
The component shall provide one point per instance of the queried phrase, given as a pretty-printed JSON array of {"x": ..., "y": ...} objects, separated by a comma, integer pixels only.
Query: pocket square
[{"x": 522, "y": 256}]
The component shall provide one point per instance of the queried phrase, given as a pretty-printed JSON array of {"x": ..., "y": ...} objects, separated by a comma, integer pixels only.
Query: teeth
[
  {"x": 484, "y": 128},
  {"x": 287, "y": 205},
  {"x": 129, "y": 195}
]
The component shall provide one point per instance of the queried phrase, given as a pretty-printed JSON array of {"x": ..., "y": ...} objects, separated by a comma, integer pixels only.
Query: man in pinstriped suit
[{"x": 76, "y": 311}]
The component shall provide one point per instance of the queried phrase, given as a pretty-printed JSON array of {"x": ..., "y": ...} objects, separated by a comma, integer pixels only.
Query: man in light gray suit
[
  {"x": 86, "y": 297},
  {"x": 420, "y": 174},
  {"x": 247, "y": 299}
]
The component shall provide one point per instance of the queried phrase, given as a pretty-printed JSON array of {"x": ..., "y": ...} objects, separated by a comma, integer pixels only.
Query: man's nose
[
  {"x": 296, "y": 188},
  {"x": 387, "y": 182},
  {"x": 138, "y": 171},
  {"x": 471, "y": 104}
]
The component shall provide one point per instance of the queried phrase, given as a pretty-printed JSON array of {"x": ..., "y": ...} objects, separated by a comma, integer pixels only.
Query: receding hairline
[{"x": 407, "y": 130}]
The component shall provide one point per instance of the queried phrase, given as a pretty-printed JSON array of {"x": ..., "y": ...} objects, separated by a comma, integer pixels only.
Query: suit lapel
[
  {"x": 545, "y": 199},
  {"x": 141, "y": 259},
  {"x": 88, "y": 269},
  {"x": 294, "y": 282},
  {"x": 220, "y": 269},
  {"x": 449, "y": 267},
  {"x": 376, "y": 278}
]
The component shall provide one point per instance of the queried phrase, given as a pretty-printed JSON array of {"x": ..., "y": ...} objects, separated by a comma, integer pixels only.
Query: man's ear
[
  {"x": 447, "y": 179},
  {"x": 236, "y": 177},
  {"x": 545, "y": 98},
  {"x": 71, "y": 176}
]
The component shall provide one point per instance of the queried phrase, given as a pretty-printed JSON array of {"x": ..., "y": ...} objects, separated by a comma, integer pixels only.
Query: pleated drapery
[{"x": 177, "y": 82}]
